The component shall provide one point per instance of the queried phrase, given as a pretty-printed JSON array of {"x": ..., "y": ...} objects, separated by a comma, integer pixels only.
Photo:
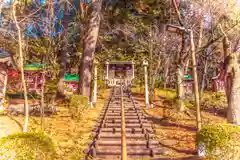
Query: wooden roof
[
  {"x": 4, "y": 56},
  {"x": 121, "y": 62}
]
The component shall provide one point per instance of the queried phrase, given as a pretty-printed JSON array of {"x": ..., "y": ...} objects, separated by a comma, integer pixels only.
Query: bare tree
[{"x": 21, "y": 67}]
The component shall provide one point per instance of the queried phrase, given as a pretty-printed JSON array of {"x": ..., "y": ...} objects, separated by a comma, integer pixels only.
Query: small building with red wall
[
  {"x": 4, "y": 65},
  {"x": 188, "y": 85}
]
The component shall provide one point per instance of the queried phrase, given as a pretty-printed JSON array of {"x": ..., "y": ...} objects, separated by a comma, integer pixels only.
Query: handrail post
[{"x": 123, "y": 130}]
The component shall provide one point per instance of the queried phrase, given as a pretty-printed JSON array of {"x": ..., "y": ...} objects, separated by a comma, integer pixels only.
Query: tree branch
[{"x": 178, "y": 12}]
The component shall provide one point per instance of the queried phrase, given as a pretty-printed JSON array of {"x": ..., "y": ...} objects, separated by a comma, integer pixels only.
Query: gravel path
[{"x": 7, "y": 126}]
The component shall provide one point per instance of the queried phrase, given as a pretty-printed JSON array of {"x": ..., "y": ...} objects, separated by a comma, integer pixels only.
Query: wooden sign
[
  {"x": 71, "y": 83},
  {"x": 188, "y": 85},
  {"x": 71, "y": 86}
]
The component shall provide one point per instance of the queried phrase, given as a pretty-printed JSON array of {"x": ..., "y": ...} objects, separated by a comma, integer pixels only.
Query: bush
[
  {"x": 27, "y": 146},
  {"x": 101, "y": 84},
  {"x": 77, "y": 104},
  {"x": 213, "y": 100},
  {"x": 220, "y": 141}
]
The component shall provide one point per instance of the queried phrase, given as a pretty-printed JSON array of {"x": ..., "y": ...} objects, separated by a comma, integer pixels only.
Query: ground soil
[{"x": 176, "y": 131}]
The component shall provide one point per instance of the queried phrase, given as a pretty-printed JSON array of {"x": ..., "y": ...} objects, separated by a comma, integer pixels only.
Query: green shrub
[
  {"x": 101, "y": 84},
  {"x": 77, "y": 104},
  {"x": 221, "y": 141},
  {"x": 27, "y": 146},
  {"x": 51, "y": 86},
  {"x": 213, "y": 100},
  {"x": 167, "y": 93}
]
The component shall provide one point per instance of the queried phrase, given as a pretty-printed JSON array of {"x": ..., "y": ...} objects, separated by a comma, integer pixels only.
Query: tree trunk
[
  {"x": 226, "y": 52},
  {"x": 154, "y": 77},
  {"x": 180, "y": 75},
  {"x": 198, "y": 48},
  {"x": 166, "y": 69},
  {"x": 1, "y": 5},
  {"x": 60, "y": 85},
  {"x": 89, "y": 45},
  {"x": 22, "y": 70},
  {"x": 180, "y": 89},
  {"x": 63, "y": 57},
  {"x": 233, "y": 113},
  {"x": 151, "y": 74},
  {"x": 194, "y": 72},
  {"x": 42, "y": 100},
  {"x": 204, "y": 75},
  {"x": 186, "y": 67},
  {"x": 232, "y": 84}
]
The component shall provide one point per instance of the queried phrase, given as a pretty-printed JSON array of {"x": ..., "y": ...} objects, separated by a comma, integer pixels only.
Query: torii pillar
[
  {"x": 107, "y": 72},
  {"x": 95, "y": 84},
  {"x": 145, "y": 64}
]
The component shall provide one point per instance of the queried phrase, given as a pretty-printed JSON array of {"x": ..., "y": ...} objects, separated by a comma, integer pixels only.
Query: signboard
[
  {"x": 188, "y": 85},
  {"x": 71, "y": 83},
  {"x": 120, "y": 66},
  {"x": 33, "y": 67}
]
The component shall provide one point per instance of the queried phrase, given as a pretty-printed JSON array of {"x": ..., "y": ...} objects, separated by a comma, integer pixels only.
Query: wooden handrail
[{"x": 123, "y": 130}]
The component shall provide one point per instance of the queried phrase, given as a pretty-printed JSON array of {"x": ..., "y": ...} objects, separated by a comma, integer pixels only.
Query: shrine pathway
[{"x": 8, "y": 126}]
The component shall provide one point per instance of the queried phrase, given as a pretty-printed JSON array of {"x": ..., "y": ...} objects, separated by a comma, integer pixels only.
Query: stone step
[
  {"x": 119, "y": 135},
  {"x": 152, "y": 143},
  {"x": 131, "y": 151},
  {"x": 126, "y": 121},
  {"x": 120, "y": 108},
  {"x": 117, "y": 130},
  {"x": 126, "y": 117},
  {"x": 118, "y": 114},
  {"x": 128, "y": 125},
  {"x": 120, "y": 111}
]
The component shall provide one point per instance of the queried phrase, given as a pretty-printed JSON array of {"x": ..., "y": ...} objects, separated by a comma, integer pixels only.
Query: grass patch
[
  {"x": 69, "y": 134},
  {"x": 179, "y": 127},
  {"x": 167, "y": 93},
  {"x": 221, "y": 141},
  {"x": 27, "y": 146}
]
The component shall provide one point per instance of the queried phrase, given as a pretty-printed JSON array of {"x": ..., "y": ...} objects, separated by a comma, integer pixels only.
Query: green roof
[
  {"x": 33, "y": 67},
  {"x": 71, "y": 77},
  {"x": 187, "y": 77},
  {"x": 4, "y": 54}
]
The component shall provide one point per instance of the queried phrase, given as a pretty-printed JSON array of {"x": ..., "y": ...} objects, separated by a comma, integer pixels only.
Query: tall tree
[
  {"x": 89, "y": 44},
  {"x": 63, "y": 52}
]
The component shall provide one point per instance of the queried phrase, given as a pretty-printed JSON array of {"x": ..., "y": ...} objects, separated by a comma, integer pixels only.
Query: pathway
[{"x": 7, "y": 126}]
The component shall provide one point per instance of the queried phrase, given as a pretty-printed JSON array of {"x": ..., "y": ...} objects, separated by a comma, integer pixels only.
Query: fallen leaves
[{"x": 176, "y": 131}]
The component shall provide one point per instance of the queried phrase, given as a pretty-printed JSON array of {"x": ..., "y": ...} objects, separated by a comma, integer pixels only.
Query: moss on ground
[
  {"x": 167, "y": 93},
  {"x": 177, "y": 130},
  {"x": 221, "y": 141},
  {"x": 27, "y": 146},
  {"x": 70, "y": 135}
]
